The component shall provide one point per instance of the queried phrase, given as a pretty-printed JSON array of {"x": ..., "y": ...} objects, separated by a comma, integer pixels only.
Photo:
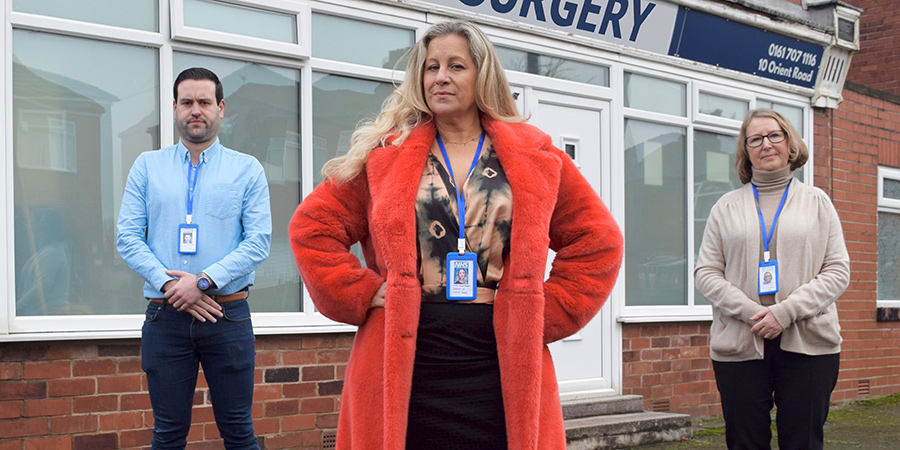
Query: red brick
[
  {"x": 299, "y": 357},
  {"x": 82, "y": 368},
  {"x": 16, "y": 390},
  {"x": 11, "y": 410},
  {"x": 298, "y": 422},
  {"x": 44, "y": 370},
  {"x": 282, "y": 408},
  {"x": 317, "y": 405},
  {"x": 96, "y": 442},
  {"x": 48, "y": 407},
  {"x": 333, "y": 356},
  {"x": 49, "y": 443},
  {"x": 26, "y": 351},
  {"x": 73, "y": 350},
  {"x": 319, "y": 341},
  {"x": 318, "y": 373},
  {"x": 23, "y": 428},
  {"x": 267, "y": 391},
  {"x": 129, "y": 365},
  {"x": 300, "y": 390},
  {"x": 283, "y": 441},
  {"x": 99, "y": 403},
  {"x": 81, "y": 423},
  {"x": 135, "y": 438},
  {"x": 11, "y": 371},
  {"x": 11, "y": 444},
  {"x": 326, "y": 421},
  {"x": 121, "y": 421},
  {"x": 132, "y": 402},
  {"x": 122, "y": 383},
  {"x": 73, "y": 387}
]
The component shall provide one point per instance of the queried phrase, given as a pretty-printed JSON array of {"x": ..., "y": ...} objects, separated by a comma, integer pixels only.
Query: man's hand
[{"x": 184, "y": 295}]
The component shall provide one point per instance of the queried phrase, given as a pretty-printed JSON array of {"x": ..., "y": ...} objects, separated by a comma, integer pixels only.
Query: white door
[{"x": 580, "y": 127}]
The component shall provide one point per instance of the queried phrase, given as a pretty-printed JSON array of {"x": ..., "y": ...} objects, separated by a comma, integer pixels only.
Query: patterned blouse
[{"x": 488, "y": 224}]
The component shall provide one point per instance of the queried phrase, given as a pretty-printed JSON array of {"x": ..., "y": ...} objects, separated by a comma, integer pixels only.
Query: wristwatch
[{"x": 204, "y": 282}]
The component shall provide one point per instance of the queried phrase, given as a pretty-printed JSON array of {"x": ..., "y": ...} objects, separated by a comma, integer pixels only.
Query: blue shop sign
[{"x": 666, "y": 28}]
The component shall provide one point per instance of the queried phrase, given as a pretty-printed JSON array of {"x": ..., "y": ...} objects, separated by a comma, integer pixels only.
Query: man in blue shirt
[{"x": 195, "y": 223}]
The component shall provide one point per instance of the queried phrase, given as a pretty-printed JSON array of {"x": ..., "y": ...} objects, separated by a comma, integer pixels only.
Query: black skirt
[{"x": 456, "y": 401}]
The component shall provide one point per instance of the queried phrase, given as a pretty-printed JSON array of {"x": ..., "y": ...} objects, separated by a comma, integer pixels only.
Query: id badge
[
  {"x": 462, "y": 276},
  {"x": 768, "y": 277},
  {"x": 187, "y": 238}
]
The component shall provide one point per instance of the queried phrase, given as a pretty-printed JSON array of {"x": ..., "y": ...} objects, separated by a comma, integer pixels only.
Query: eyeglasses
[{"x": 757, "y": 139}]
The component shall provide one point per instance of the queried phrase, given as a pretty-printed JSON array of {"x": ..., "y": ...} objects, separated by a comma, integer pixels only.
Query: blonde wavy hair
[
  {"x": 798, "y": 154},
  {"x": 405, "y": 108}
]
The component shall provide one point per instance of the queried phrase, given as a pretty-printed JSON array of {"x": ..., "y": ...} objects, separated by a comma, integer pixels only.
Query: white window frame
[
  {"x": 300, "y": 11},
  {"x": 696, "y": 82},
  {"x": 889, "y": 206},
  {"x": 174, "y": 36},
  {"x": 719, "y": 91}
]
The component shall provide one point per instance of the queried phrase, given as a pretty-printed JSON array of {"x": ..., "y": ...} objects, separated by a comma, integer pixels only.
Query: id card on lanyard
[
  {"x": 767, "y": 278},
  {"x": 462, "y": 266},
  {"x": 188, "y": 232}
]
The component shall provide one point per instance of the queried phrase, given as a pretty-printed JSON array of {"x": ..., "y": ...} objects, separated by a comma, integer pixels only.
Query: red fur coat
[{"x": 553, "y": 207}]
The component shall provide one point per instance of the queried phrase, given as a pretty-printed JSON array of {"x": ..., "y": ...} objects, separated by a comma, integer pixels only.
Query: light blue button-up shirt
[{"x": 230, "y": 207}]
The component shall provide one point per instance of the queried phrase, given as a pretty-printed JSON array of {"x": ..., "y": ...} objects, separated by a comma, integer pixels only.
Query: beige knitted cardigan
[{"x": 813, "y": 264}]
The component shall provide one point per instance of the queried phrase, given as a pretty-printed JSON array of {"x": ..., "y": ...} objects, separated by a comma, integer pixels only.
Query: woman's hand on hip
[
  {"x": 378, "y": 298},
  {"x": 767, "y": 326}
]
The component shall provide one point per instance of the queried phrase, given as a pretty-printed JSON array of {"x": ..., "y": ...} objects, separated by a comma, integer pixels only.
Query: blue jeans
[{"x": 173, "y": 344}]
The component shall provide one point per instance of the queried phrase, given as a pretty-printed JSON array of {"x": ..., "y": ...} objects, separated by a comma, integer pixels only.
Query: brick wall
[
  {"x": 879, "y": 35},
  {"x": 93, "y": 395},
  {"x": 669, "y": 363}
]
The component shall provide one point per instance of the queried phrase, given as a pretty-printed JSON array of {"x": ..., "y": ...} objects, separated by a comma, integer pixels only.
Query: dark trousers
[
  {"x": 802, "y": 386},
  {"x": 173, "y": 347}
]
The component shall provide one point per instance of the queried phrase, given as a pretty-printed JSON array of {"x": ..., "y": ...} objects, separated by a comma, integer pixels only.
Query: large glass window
[
  {"x": 262, "y": 119},
  {"x": 136, "y": 14},
  {"x": 239, "y": 19},
  {"x": 655, "y": 94},
  {"x": 714, "y": 175},
  {"x": 360, "y": 42},
  {"x": 554, "y": 67},
  {"x": 655, "y": 214},
  {"x": 721, "y": 106},
  {"x": 340, "y": 104},
  {"x": 78, "y": 126},
  {"x": 889, "y": 236}
]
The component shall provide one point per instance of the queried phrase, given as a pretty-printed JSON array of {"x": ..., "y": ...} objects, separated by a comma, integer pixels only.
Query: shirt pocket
[{"x": 223, "y": 201}]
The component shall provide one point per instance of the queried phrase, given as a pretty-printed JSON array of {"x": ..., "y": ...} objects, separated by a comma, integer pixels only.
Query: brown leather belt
[{"x": 240, "y": 295}]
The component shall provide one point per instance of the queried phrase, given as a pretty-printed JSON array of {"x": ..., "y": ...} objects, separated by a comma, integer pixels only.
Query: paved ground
[{"x": 863, "y": 425}]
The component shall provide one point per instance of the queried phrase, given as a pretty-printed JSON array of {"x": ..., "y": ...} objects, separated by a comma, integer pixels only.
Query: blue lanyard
[
  {"x": 762, "y": 222},
  {"x": 460, "y": 199},
  {"x": 190, "y": 195}
]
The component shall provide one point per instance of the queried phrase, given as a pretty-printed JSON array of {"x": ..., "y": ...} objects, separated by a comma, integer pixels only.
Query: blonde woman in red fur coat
[{"x": 466, "y": 367}]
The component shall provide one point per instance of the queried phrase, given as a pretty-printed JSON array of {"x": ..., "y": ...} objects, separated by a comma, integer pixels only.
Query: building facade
[{"x": 647, "y": 96}]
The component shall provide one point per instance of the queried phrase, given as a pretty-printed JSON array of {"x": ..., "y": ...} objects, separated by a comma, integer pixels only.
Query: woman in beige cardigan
[{"x": 773, "y": 338}]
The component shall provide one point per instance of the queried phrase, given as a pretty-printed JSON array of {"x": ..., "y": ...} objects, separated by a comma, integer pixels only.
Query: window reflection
[
  {"x": 888, "y": 256},
  {"x": 551, "y": 66},
  {"x": 340, "y": 104},
  {"x": 729, "y": 108},
  {"x": 360, "y": 42},
  {"x": 714, "y": 175},
  {"x": 262, "y": 119},
  {"x": 655, "y": 266},
  {"x": 654, "y": 94},
  {"x": 239, "y": 19},
  {"x": 136, "y": 14},
  {"x": 78, "y": 125}
]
